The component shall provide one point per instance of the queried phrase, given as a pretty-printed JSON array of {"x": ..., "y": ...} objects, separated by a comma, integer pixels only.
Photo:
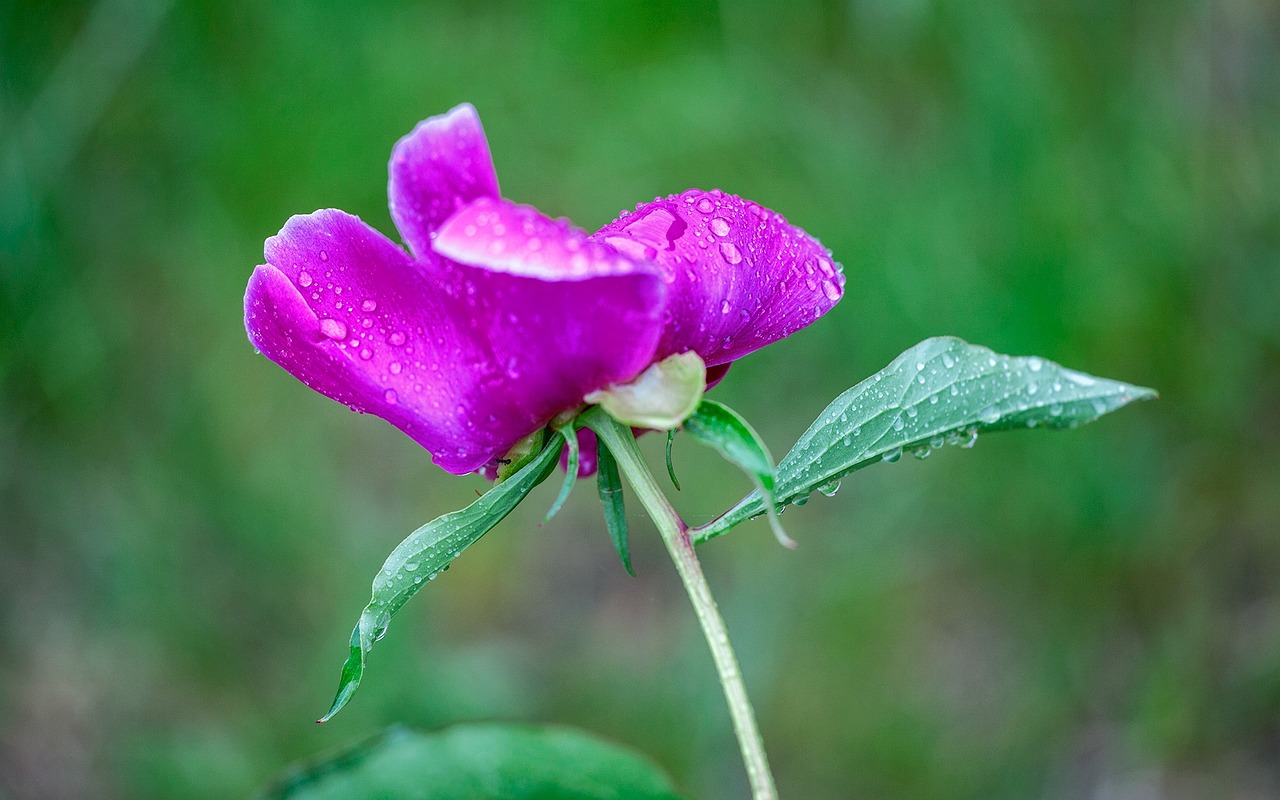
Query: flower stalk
[{"x": 675, "y": 535}]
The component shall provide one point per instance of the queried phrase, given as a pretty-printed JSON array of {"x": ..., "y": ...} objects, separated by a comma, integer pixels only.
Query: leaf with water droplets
[
  {"x": 609, "y": 484},
  {"x": 942, "y": 391},
  {"x": 426, "y": 553},
  {"x": 724, "y": 430}
]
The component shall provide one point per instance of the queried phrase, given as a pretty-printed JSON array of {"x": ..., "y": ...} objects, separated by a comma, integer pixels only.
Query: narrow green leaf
[
  {"x": 609, "y": 484},
  {"x": 426, "y": 553},
  {"x": 720, "y": 427},
  {"x": 942, "y": 391},
  {"x": 477, "y": 762},
  {"x": 570, "y": 437},
  {"x": 671, "y": 470}
]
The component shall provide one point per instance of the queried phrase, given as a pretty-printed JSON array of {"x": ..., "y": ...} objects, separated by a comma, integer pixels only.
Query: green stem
[{"x": 675, "y": 534}]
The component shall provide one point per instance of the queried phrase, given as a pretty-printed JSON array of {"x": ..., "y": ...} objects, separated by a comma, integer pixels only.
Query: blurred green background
[{"x": 187, "y": 533}]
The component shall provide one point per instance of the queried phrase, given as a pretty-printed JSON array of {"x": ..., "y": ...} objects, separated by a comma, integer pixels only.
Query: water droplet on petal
[
  {"x": 334, "y": 329},
  {"x": 369, "y": 305},
  {"x": 395, "y": 367},
  {"x": 396, "y": 338},
  {"x": 724, "y": 307},
  {"x": 390, "y": 396},
  {"x": 705, "y": 205},
  {"x": 366, "y": 354},
  {"x": 730, "y": 252},
  {"x": 304, "y": 279},
  {"x": 720, "y": 226},
  {"x": 324, "y": 256}
]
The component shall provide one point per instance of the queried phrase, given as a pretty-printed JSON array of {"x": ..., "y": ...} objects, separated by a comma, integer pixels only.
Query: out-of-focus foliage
[{"x": 185, "y": 531}]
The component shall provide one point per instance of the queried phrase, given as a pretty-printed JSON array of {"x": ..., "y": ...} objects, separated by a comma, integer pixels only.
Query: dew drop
[
  {"x": 724, "y": 307},
  {"x": 829, "y": 489},
  {"x": 948, "y": 361},
  {"x": 369, "y": 305},
  {"x": 922, "y": 452},
  {"x": 390, "y": 396},
  {"x": 411, "y": 565},
  {"x": 898, "y": 423},
  {"x": 1034, "y": 364},
  {"x": 989, "y": 415},
  {"x": 334, "y": 329},
  {"x": 396, "y": 338},
  {"x": 324, "y": 256},
  {"x": 395, "y": 367},
  {"x": 799, "y": 501},
  {"x": 705, "y": 205},
  {"x": 1055, "y": 409},
  {"x": 365, "y": 354},
  {"x": 720, "y": 226},
  {"x": 892, "y": 456},
  {"x": 304, "y": 279},
  {"x": 730, "y": 252}
]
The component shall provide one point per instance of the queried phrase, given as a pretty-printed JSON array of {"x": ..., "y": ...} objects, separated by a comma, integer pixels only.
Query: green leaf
[
  {"x": 570, "y": 437},
  {"x": 426, "y": 553},
  {"x": 942, "y": 391},
  {"x": 723, "y": 429},
  {"x": 609, "y": 484},
  {"x": 477, "y": 762},
  {"x": 671, "y": 470}
]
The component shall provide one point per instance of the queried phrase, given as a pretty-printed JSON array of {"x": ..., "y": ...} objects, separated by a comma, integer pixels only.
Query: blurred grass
[{"x": 187, "y": 534}]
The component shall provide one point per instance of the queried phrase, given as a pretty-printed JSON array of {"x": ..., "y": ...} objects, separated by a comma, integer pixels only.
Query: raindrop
[
  {"x": 324, "y": 256},
  {"x": 989, "y": 415},
  {"x": 368, "y": 305},
  {"x": 396, "y": 339},
  {"x": 831, "y": 290},
  {"x": 304, "y": 279},
  {"x": 799, "y": 501},
  {"x": 390, "y": 396},
  {"x": 972, "y": 439},
  {"x": 948, "y": 361},
  {"x": 1055, "y": 409},
  {"x": 892, "y": 456},
  {"x": 955, "y": 390},
  {"x": 724, "y": 307},
  {"x": 911, "y": 411},
  {"x": 829, "y": 489},
  {"x": 720, "y": 226},
  {"x": 366, "y": 354},
  {"x": 411, "y": 565},
  {"x": 922, "y": 452},
  {"x": 1034, "y": 364},
  {"x": 334, "y": 329},
  {"x": 395, "y": 367},
  {"x": 730, "y": 252},
  {"x": 898, "y": 423},
  {"x": 705, "y": 205},
  {"x": 1032, "y": 387}
]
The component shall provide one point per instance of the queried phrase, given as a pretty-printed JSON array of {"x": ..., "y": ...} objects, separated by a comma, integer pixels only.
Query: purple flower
[{"x": 498, "y": 318}]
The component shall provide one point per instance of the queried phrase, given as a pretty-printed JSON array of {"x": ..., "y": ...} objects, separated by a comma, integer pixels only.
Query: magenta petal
[
  {"x": 464, "y": 360},
  {"x": 442, "y": 165},
  {"x": 518, "y": 240},
  {"x": 741, "y": 277}
]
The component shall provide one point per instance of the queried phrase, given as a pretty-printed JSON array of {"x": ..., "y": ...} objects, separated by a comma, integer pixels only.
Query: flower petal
[
  {"x": 741, "y": 277},
  {"x": 443, "y": 164},
  {"x": 516, "y": 239},
  {"x": 463, "y": 359}
]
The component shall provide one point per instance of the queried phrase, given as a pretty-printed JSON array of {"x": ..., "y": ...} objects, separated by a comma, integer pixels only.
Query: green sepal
[
  {"x": 570, "y": 437},
  {"x": 609, "y": 485},
  {"x": 723, "y": 429}
]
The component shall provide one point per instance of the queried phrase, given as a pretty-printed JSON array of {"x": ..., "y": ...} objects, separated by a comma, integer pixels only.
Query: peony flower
[{"x": 499, "y": 318}]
